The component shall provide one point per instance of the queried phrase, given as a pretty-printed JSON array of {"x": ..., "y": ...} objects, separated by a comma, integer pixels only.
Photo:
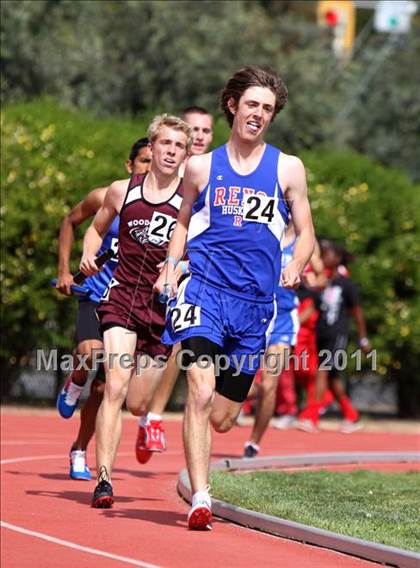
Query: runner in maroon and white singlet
[{"x": 131, "y": 318}]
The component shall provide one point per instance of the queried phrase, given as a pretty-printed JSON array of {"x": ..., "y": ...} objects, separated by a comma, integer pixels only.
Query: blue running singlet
[
  {"x": 237, "y": 225},
  {"x": 286, "y": 297},
  {"x": 97, "y": 284}
]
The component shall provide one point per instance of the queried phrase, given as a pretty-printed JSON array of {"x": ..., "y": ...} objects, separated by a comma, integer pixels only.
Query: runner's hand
[
  {"x": 88, "y": 265},
  {"x": 290, "y": 277},
  {"x": 167, "y": 276},
  {"x": 64, "y": 282},
  {"x": 179, "y": 271}
]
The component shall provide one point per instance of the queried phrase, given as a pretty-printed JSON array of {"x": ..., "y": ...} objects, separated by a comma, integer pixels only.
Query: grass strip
[{"x": 377, "y": 506}]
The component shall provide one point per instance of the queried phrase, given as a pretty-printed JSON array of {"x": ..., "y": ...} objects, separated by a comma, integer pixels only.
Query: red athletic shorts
[{"x": 138, "y": 310}]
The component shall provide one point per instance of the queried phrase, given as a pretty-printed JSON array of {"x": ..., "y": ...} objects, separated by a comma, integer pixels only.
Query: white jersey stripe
[
  {"x": 134, "y": 194},
  {"x": 200, "y": 221}
]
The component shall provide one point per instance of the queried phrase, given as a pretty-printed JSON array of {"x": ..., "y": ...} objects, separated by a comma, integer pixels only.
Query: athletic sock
[
  {"x": 201, "y": 497},
  {"x": 152, "y": 416},
  {"x": 73, "y": 384},
  {"x": 143, "y": 420},
  {"x": 253, "y": 444}
]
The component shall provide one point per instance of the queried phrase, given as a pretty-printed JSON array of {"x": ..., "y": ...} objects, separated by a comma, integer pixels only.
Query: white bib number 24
[
  {"x": 259, "y": 208},
  {"x": 185, "y": 316}
]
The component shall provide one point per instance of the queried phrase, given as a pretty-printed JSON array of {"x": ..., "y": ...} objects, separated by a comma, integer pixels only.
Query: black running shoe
[
  {"x": 251, "y": 450},
  {"x": 103, "y": 497}
]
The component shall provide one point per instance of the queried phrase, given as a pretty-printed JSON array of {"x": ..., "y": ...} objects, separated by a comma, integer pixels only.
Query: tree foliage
[{"x": 129, "y": 56}]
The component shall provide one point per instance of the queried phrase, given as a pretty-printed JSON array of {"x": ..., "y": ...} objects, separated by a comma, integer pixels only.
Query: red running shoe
[
  {"x": 150, "y": 438},
  {"x": 143, "y": 455},
  {"x": 200, "y": 517},
  {"x": 155, "y": 436}
]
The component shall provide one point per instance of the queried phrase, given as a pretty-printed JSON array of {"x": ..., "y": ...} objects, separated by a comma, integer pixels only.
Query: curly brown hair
[{"x": 253, "y": 76}]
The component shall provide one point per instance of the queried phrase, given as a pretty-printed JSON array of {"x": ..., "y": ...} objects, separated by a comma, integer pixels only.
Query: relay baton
[
  {"x": 164, "y": 296},
  {"x": 75, "y": 289}
]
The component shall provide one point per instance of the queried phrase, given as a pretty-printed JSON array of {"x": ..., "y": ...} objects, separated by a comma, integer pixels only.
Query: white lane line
[
  {"x": 33, "y": 458},
  {"x": 32, "y": 442},
  {"x": 69, "y": 544},
  {"x": 62, "y": 456},
  {"x": 48, "y": 457}
]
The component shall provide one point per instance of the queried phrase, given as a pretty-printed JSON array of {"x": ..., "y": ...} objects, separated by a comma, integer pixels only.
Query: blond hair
[{"x": 170, "y": 121}]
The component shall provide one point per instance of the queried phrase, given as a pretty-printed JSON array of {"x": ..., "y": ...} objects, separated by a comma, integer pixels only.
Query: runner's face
[
  {"x": 142, "y": 161},
  {"x": 254, "y": 113},
  {"x": 169, "y": 149},
  {"x": 202, "y": 125},
  {"x": 330, "y": 258}
]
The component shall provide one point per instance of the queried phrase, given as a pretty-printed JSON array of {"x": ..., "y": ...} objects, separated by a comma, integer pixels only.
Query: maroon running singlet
[{"x": 144, "y": 234}]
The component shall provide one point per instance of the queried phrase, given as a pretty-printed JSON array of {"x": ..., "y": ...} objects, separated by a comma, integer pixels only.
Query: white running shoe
[
  {"x": 306, "y": 426},
  {"x": 348, "y": 427},
  {"x": 284, "y": 422}
]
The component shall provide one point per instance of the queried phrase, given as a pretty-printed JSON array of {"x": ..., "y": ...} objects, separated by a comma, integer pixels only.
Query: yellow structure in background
[{"x": 340, "y": 16}]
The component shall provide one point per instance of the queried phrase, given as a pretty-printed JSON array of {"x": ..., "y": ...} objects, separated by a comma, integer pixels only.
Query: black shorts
[
  {"x": 229, "y": 383},
  {"x": 87, "y": 322},
  {"x": 87, "y": 329},
  {"x": 329, "y": 348}
]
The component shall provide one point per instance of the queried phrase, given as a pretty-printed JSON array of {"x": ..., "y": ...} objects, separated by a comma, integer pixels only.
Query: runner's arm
[
  {"x": 82, "y": 211},
  {"x": 297, "y": 197},
  {"x": 364, "y": 343},
  {"x": 96, "y": 231}
]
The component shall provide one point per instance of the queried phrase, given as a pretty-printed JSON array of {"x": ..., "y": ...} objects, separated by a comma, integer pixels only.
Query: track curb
[{"x": 298, "y": 531}]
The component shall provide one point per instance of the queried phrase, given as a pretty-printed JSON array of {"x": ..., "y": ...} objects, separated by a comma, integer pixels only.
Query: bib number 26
[
  {"x": 185, "y": 316},
  {"x": 161, "y": 228}
]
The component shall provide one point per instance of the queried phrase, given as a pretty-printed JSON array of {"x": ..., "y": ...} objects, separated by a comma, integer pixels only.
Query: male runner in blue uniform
[
  {"x": 87, "y": 326},
  {"x": 236, "y": 205}
]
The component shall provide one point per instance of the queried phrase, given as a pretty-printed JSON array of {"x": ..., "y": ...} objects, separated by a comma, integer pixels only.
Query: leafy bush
[
  {"x": 375, "y": 212},
  {"x": 51, "y": 159}
]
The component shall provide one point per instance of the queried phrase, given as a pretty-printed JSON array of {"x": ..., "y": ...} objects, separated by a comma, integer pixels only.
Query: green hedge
[
  {"x": 52, "y": 157},
  {"x": 375, "y": 212}
]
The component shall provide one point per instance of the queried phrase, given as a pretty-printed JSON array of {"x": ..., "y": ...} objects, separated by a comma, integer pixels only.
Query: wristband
[
  {"x": 172, "y": 260},
  {"x": 363, "y": 341},
  {"x": 184, "y": 267}
]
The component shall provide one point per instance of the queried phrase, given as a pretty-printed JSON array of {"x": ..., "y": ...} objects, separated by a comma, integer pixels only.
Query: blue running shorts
[
  {"x": 286, "y": 327},
  {"x": 239, "y": 325}
]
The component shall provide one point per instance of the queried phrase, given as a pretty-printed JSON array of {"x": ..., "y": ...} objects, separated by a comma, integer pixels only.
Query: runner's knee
[
  {"x": 116, "y": 390},
  {"x": 268, "y": 386},
  {"x": 200, "y": 394}
]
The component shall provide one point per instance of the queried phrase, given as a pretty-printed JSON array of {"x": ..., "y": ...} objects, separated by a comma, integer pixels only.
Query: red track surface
[{"x": 148, "y": 522}]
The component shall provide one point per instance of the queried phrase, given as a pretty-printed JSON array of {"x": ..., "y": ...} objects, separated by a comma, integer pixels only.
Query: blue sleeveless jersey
[
  {"x": 236, "y": 227},
  {"x": 96, "y": 285},
  {"x": 286, "y": 297}
]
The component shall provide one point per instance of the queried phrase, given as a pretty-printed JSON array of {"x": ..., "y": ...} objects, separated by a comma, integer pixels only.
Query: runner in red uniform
[
  {"x": 132, "y": 320},
  {"x": 339, "y": 300}
]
